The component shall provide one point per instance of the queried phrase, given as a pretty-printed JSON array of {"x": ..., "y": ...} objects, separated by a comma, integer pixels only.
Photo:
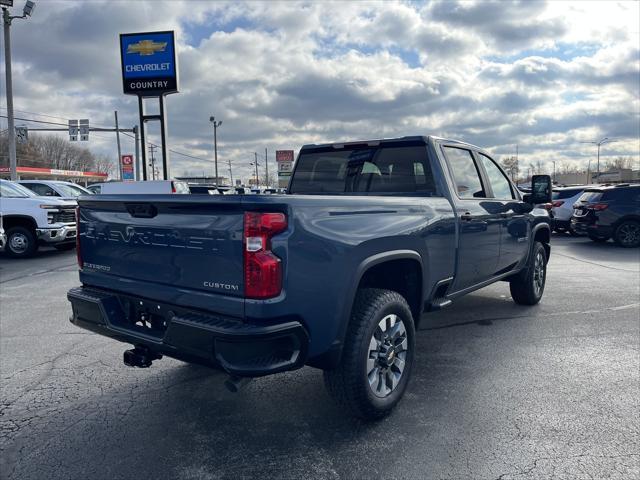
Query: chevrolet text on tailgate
[{"x": 335, "y": 274}]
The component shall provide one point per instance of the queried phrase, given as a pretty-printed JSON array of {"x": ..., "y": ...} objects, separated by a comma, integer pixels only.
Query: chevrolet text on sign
[{"x": 148, "y": 63}]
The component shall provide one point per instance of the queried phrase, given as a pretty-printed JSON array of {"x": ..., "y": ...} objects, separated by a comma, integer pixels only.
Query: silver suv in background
[
  {"x": 55, "y": 188},
  {"x": 563, "y": 199}
]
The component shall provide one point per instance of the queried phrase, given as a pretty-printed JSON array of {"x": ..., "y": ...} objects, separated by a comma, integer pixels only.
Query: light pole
[
  {"x": 7, "y": 18},
  {"x": 598, "y": 143},
  {"x": 215, "y": 142},
  {"x": 256, "y": 165}
]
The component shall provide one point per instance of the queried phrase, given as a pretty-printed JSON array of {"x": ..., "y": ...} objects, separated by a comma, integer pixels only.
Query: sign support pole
[
  {"x": 136, "y": 134},
  {"x": 163, "y": 138},
  {"x": 143, "y": 142},
  {"x": 120, "y": 171}
]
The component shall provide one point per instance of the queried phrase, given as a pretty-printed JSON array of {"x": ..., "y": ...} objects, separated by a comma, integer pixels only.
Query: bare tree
[{"x": 510, "y": 164}]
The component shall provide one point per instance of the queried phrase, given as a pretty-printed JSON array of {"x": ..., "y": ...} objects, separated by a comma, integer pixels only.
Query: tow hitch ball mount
[{"x": 140, "y": 357}]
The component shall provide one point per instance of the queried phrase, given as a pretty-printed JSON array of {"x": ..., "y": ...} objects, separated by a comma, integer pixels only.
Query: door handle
[{"x": 466, "y": 216}]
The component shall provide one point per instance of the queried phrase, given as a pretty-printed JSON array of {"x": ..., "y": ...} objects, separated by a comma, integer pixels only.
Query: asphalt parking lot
[{"x": 499, "y": 391}]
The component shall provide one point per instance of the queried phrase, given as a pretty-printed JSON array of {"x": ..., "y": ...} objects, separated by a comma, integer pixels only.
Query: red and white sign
[
  {"x": 284, "y": 155},
  {"x": 127, "y": 160},
  {"x": 54, "y": 172}
]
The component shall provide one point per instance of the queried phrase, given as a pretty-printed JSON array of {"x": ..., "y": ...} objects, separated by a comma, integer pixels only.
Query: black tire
[
  {"x": 528, "y": 286},
  {"x": 598, "y": 239},
  {"x": 627, "y": 234},
  {"x": 349, "y": 383},
  {"x": 65, "y": 246},
  {"x": 21, "y": 242}
]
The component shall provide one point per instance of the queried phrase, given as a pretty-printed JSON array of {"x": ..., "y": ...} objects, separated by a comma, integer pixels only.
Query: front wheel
[
  {"x": 21, "y": 242},
  {"x": 627, "y": 234},
  {"x": 377, "y": 356},
  {"x": 528, "y": 286}
]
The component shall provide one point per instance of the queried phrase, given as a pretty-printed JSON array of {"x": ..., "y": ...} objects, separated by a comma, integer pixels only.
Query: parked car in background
[
  {"x": 31, "y": 221},
  {"x": 55, "y": 188},
  {"x": 609, "y": 212},
  {"x": 562, "y": 207},
  {"x": 149, "y": 187},
  {"x": 205, "y": 189}
]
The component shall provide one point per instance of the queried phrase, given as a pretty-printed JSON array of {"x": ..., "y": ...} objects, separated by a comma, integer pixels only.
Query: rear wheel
[
  {"x": 528, "y": 286},
  {"x": 377, "y": 357},
  {"x": 598, "y": 239},
  {"x": 21, "y": 242},
  {"x": 628, "y": 234}
]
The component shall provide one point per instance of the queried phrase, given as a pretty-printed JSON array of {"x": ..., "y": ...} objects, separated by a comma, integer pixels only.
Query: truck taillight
[
  {"x": 598, "y": 206},
  {"x": 557, "y": 203},
  {"x": 78, "y": 251},
  {"x": 262, "y": 268}
]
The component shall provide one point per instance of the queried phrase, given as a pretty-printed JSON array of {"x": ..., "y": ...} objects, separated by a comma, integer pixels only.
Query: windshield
[
  {"x": 71, "y": 190},
  {"x": 385, "y": 169},
  {"x": 13, "y": 190}
]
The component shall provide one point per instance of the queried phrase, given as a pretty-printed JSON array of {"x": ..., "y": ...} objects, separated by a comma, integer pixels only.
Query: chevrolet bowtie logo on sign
[
  {"x": 146, "y": 47},
  {"x": 149, "y": 66}
]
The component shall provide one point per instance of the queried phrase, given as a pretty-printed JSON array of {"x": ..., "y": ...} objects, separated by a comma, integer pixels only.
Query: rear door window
[
  {"x": 382, "y": 169},
  {"x": 465, "y": 173}
]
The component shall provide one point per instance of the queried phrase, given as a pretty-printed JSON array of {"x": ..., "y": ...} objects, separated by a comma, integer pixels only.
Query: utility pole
[
  {"x": 152, "y": 150},
  {"x": 6, "y": 20},
  {"x": 230, "y": 171},
  {"x": 215, "y": 143},
  {"x": 266, "y": 167},
  {"x": 554, "y": 171},
  {"x": 255, "y": 155},
  {"x": 120, "y": 173}
]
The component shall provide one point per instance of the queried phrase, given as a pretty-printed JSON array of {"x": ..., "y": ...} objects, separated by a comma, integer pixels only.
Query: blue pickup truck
[{"x": 335, "y": 274}]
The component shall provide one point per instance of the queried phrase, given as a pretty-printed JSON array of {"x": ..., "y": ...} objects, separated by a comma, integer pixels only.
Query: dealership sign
[{"x": 149, "y": 67}]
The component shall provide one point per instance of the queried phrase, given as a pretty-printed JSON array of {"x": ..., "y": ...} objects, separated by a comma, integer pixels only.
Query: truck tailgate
[{"x": 189, "y": 244}]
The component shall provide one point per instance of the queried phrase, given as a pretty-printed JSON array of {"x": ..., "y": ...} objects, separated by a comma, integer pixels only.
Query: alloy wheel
[
  {"x": 387, "y": 355},
  {"x": 629, "y": 233},
  {"x": 538, "y": 274}
]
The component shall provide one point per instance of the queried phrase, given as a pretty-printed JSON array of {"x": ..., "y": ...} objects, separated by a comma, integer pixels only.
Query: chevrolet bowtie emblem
[{"x": 146, "y": 47}]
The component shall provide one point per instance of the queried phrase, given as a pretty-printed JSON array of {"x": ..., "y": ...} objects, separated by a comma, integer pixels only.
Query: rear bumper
[
  {"x": 590, "y": 227},
  {"x": 241, "y": 349}
]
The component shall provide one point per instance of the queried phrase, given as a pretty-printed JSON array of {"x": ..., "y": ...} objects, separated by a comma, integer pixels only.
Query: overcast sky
[{"x": 545, "y": 76}]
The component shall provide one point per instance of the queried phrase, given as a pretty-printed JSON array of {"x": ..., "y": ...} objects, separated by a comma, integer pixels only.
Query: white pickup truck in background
[{"x": 30, "y": 221}]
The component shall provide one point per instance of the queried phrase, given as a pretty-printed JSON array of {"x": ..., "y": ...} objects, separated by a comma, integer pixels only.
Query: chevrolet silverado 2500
[{"x": 335, "y": 274}]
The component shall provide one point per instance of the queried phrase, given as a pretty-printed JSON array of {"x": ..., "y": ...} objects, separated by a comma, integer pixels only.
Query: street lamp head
[
  {"x": 28, "y": 8},
  {"x": 212, "y": 119}
]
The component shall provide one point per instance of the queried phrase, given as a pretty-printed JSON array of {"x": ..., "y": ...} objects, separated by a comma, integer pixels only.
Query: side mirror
[{"x": 540, "y": 190}]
